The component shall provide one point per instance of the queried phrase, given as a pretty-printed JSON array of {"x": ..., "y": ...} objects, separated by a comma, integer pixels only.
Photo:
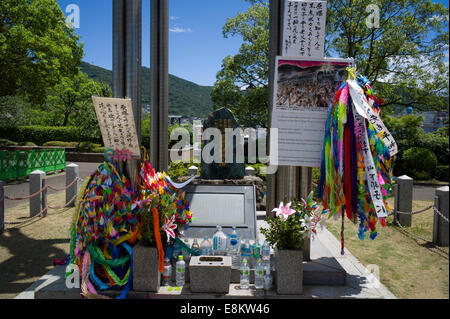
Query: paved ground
[{"x": 22, "y": 188}]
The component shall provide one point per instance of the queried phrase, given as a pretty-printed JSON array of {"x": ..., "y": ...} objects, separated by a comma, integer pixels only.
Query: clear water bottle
[
  {"x": 167, "y": 274},
  {"x": 244, "y": 270},
  {"x": 233, "y": 248},
  {"x": 268, "y": 280},
  {"x": 219, "y": 242},
  {"x": 256, "y": 253},
  {"x": 259, "y": 274},
  {"x": 186, "y": 254},
  {"x": 246, "y": 251},
  {"x": 181, "y": 269},
  {"x": 205, "y": 247},
  {"x": 265, "y": 255},
  {"x": 195, "y": 246}
]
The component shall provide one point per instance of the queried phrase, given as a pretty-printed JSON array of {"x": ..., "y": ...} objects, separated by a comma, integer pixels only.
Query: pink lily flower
[
  {"x": 169, "y": 227},
  {"x": 284, "y": 211}
]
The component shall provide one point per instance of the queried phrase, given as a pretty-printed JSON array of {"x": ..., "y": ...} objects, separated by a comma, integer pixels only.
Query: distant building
[
  {"x": 174, "y": 119},
  {"x": 433, "y": 120}
]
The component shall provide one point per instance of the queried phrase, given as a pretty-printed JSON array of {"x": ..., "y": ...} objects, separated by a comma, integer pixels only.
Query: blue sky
[{"x": 196, "y": 43}]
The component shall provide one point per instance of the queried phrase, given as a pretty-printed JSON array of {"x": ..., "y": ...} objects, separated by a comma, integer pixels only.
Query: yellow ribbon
[{"x": 351, "y": 73}]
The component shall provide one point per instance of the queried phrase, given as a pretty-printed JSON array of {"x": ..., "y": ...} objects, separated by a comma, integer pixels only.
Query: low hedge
[{"x": 40, "y": 134}]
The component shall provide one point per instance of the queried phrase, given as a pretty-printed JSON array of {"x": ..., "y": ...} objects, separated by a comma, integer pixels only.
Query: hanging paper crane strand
[{"x": 355, "y": 172}]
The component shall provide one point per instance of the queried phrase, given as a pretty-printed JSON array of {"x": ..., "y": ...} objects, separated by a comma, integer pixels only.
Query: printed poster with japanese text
[{"x": 303, "y": 91}]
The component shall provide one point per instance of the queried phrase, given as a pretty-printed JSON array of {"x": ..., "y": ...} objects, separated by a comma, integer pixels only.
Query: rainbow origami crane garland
[
  {"x": 356, "y": 172},
  {"x": 107, "y": 224}
]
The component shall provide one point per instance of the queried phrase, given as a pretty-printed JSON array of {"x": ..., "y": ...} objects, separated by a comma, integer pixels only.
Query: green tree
[
  {"x": 37, "y": 49},
  {"x": 242, "y": 82},
  {"x": 404, "y": 58}
]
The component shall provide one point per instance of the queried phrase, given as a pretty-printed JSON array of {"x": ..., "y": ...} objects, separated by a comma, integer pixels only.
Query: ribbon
[{"x": 158, "y": 239}]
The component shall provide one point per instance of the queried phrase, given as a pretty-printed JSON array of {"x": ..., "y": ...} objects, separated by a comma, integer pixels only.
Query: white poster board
[
  {"x": 304, "y": 28},
  {"x": 303, "y": 91},
  {"x": 116, "y": 120}
]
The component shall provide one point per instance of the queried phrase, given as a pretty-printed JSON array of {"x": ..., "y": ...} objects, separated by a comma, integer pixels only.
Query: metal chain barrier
[
  {"x": 417, "y": 236},
  {"x": 43, "y": 211}
]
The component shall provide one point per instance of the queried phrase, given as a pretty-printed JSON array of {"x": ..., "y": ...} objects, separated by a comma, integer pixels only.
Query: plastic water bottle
[
  {"x": 205, "y": 247},
  {"x": 181, "y": 269},
  {"x": 244, "y": 275},
  {"x": 259, "y": 274},
  {"x": 265, "y": 255},
  {"x": 246, "y": 251},
  {"x": 256, "y": 253},
  {"x": 219, "y": 242},
  {"x": 233, "y": 248},
  {"x": 167, "y": 274},
  {"x": 268, "y": 280},
  {"x": 195, "y": 246}
]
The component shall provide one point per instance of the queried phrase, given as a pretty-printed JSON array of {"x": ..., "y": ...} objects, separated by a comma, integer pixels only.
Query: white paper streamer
[
  {"x": 363, "y": 108},
  {"x": 179, "y": 186},
  {"x": 369, "y": 169}
]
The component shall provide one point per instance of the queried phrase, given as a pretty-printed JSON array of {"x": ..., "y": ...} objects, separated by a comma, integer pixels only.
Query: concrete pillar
[
  {"x": 72, "y": 173},
  {"x": 440, "y": 225},
  {"x": 36, "y": 179},
  {"x": 193, "y": 170},
  {"x": 159, "y": 65},
  {"x": 2, "y": 207},
  {"x": 249, "y": 171},
  {"x": 403, "y": 200}
]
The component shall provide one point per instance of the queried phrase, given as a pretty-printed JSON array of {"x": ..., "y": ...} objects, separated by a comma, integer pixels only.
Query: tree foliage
[
  {"x": 242, "y": 82},
  {"x": 405, "y": 58},
  {"x": 37, "y": 49}
]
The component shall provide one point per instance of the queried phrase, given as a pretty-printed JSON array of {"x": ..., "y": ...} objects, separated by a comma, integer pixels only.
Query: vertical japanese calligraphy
[
  {"x": 304, "y": 28},
  {"x": 116, "y": 121}
]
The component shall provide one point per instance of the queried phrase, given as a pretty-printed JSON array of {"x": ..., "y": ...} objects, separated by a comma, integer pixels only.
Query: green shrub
[
  {"x": 6, "y": 142},
  {"x": 100, "y": 149},
  {"x": 442, "y": 173},
  {"x": 88, "y": 147},
  {"x": 41, "y": 134},
  {"x": 179, "y": 169},
  {"x": 27, "y": 144},
  {"x": 60, "y": 144},
  {"x": 419, "y": 163}
]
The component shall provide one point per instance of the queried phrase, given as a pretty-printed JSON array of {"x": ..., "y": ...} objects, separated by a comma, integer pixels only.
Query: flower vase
[
  {"x": 289, "y": 271},
  {"x": 146, "y": 276}
]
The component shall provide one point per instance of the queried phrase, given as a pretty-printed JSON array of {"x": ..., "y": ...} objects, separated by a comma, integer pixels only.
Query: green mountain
[{"x": 185, "y": 98}]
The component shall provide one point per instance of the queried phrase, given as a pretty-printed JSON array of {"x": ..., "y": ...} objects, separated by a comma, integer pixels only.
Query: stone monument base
[{"x": 247, "y": 180}]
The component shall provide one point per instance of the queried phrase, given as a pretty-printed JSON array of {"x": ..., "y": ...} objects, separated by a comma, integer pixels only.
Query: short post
[
  {"x": 193, "y": 171},
  {"x": 249, "y": 171},
  {"x": 72, "y": 174},
  {"x": 440, "y": 225},
  {"x": 2, "y": 207},
  {"x": 44, "y": 196},
  {"x": 36, "y": 179},
  {"x": 403, "y": 200}
]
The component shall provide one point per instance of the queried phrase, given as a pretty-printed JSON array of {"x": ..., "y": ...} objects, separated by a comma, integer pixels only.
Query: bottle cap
[
  {"x": 180, "y": 257},
  {"x": 244, "y": 261}
]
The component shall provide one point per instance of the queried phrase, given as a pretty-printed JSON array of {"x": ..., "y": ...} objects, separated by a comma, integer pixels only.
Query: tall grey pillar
[
  {"x": 127, "y": 64},
  {"x": 2, "y": 206},
  {"x": 403, "y": 200},
  {"x": 36, "y": 179},
  {"x": 72, "y": 173},
  {"x": 440, "y": 228},
  {"x": 159, "y": 64},
  {"x": 127, "y": 54}
]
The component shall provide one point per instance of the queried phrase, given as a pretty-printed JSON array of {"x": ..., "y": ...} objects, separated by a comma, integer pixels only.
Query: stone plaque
[{"x": 221, "y": 120}]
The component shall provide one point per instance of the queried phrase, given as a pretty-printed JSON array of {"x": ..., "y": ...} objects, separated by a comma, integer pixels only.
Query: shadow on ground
[{"x": 29, "y": 260}]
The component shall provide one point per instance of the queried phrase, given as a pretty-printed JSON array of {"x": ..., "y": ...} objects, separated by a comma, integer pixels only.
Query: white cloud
[
  {"x": 177, "y": 29},
  {"x": 173, "y": 18}
]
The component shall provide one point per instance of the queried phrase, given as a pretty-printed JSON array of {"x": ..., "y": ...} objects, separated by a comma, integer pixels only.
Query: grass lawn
[
  {"x": 27, "y": 251},
  {"x": 409, "y": 268}
]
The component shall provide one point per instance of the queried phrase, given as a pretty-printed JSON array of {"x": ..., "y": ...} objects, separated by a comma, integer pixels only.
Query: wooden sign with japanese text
[
  {"x": 116, "y": 121},
  {"x": 304, "y": 28}
]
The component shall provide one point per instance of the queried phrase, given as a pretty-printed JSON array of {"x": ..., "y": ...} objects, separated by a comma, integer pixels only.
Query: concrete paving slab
[{"x": 325, "y": 252}]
